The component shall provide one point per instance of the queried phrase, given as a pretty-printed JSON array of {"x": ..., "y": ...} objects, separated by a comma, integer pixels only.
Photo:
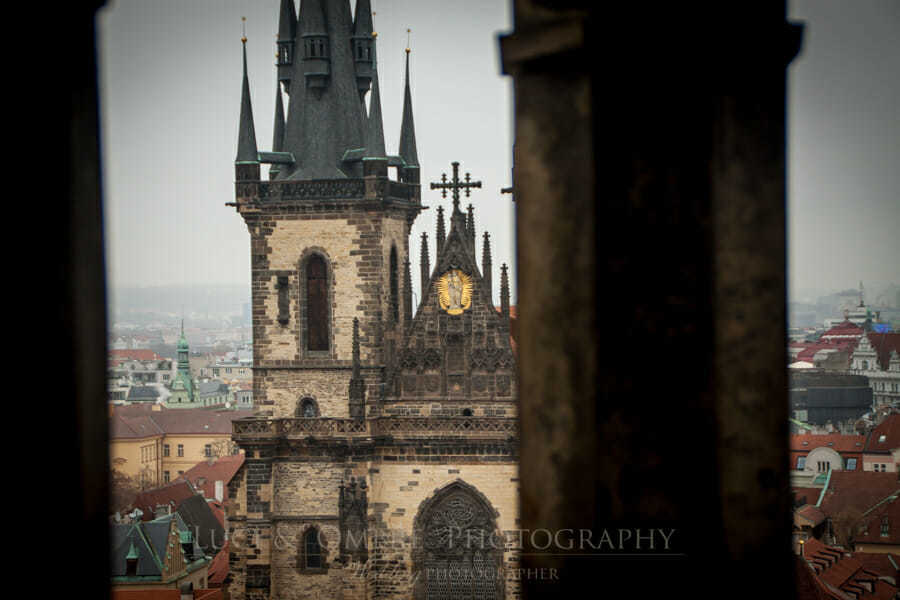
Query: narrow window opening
[{"x": 316, "y": 304}]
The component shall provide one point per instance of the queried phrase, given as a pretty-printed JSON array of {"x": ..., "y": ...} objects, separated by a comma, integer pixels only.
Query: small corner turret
[{"x": 246, "y": 163}]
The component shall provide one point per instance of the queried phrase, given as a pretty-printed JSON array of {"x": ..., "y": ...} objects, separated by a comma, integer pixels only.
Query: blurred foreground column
[{"x": 650, "y": 191}]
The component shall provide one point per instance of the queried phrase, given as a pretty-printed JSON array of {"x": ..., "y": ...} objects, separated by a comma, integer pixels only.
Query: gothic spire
[
  {"x": 362, "y": 26},
  {"x": 486, "y": 265},
  {"x": 441, "y": 234},
  {"x": 311, "y": 20},
  {"x": 407, "y": 296},
  {"x": 287, "y": 21},
  {"x": 357, "y": 391},
  {"x": 408, "y": 150},
  {"x": 287, "y": 42},
  {"x": 504, "y": 295},
  {"x": 375, "y": 133},
  {"x": 424, "y": 265},
  {"x": 246, "y": 151},
  {"x": 470, "y": 228}
]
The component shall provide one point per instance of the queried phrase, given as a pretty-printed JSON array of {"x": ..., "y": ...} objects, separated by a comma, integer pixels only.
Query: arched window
[
  {"x": 307, "y": 408},
  {"x": 395, "y": 287},
  {"x": 312, "y": 550},
  {"x": 458, "y": 547},
  {"x": 317, "y": 330}
]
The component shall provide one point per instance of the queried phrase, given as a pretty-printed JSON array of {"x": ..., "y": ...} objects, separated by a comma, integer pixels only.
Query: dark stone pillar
[{"x": 650, "y": 192}]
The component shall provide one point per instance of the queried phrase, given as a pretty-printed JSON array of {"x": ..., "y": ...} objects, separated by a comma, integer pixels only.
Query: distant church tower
[
  {"x": 376, "y": 428},
  {"x": 183, "y": 385}
]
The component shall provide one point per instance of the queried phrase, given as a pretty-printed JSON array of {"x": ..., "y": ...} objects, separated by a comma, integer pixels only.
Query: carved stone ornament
[{"x": 454, "y": 292}]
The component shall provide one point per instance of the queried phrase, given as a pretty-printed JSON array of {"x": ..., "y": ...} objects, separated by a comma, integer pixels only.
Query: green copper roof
[{"x": 132, "y": 552}]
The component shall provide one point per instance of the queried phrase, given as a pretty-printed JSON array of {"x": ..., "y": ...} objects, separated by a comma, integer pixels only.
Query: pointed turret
[
  {"x": 486, "y": 266},
  {"x": 287, "y": 37},
  {"x": 441, "y": 234},
  {"x": 363, "y": 46},
  {"x": 277, "y": 131},
  {"x": 424, "y": 266},
  {"x": 357, "y": 390},
  {"x": 408, "y": 150},
  {"x": 247, "y": 159},
  {"x": 407, "y": 295},
  {"x": 325, "y": 129},
  {"x": 375, "y": 159},
  {"x": 470, "y": 227},
  {"x": 504, "y": 296}
]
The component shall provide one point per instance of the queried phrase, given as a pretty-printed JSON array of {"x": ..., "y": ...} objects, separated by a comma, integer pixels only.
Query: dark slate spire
[
  {"x": 362, "y": 25},
  {"x": 277, "y": 130},
  {"x": 357, "y": 392},
  {"x": 287, "y": 41},
  {"x": 486, "y": 266},
  {"x": 441, "y": 234},
  {"x": 407, "y": 297},
  {"x": 375, "y": 133},
  {"x": 424, "y": 265},
  {"x": 312, "y": 18},
  {"x": 504, "y": 295},
  {"x": 363, "y": 46},
  {"x": 408, "y": 150},
  {"x": 246, "y": 151},
  {"x": 325, "y": 116}
]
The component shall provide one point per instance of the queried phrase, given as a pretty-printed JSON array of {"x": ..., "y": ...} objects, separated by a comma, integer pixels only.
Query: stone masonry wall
[{"x": 397, "y": 492}]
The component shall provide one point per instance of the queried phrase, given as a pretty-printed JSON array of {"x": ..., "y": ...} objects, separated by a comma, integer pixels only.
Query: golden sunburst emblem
[{"x": 454, "y": 292}]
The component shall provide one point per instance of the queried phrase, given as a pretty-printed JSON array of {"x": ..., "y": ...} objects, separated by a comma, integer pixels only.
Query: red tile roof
[
  {"x": 884, "y": 343},
  {"x": 879, "y": 562},
  {"x": 845, "y": 329},
  {"x": 857, "y": 490},
  {"x": 811, "y": 514},
  {"x": 838, "y": 442},
  {"x": 839, "y": 572},
  {"x": 122, "y": 427},
  {"x": 890, "y": 429},
  {"x": 172, "y": 494},
  {"x": 203, "y": 475},
  {"x": 171, "y": 421},
  {"x": 139, "y": 354},
  {"x": 218, "y": 568},
  {"x": 872, "y": 534},
  {"x": 811, "y": 494}
]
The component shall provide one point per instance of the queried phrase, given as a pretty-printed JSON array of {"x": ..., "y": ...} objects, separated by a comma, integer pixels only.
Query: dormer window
[
  {"x": 882, "y": 438},
  {"x": 885, "y": 526}
]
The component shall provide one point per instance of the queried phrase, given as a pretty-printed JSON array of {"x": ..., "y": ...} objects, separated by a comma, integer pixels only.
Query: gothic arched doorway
[{"x": 458, "y": 552}]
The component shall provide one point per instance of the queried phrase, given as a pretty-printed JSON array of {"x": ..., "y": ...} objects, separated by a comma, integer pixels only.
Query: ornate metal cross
[{"x": 455, "y": 185}]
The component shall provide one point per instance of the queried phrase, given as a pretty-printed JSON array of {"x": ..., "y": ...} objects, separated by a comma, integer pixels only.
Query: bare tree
[{"x": 123, "y": 491}]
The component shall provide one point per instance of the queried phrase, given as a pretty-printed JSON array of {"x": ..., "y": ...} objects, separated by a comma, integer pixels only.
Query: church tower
[
  {"x": 183, "y": 385},
  {"x": 372, "y": 422}
]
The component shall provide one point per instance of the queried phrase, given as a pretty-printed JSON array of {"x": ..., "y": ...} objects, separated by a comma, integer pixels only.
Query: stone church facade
[{"x": 382, "y": 461}]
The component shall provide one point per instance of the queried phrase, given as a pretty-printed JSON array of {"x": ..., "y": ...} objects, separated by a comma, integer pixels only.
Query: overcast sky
[
  {"x": 844, "y": 146},
  {"x": 170, "y": 93},
  {"x": 170, "y": 87}
]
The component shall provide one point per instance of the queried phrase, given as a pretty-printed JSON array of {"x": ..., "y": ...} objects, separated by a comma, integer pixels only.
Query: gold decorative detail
[{"x": 455, "y": 292}]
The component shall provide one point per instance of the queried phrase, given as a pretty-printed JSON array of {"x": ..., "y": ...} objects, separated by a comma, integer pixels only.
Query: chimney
[{"x": 220, "y": 490}]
